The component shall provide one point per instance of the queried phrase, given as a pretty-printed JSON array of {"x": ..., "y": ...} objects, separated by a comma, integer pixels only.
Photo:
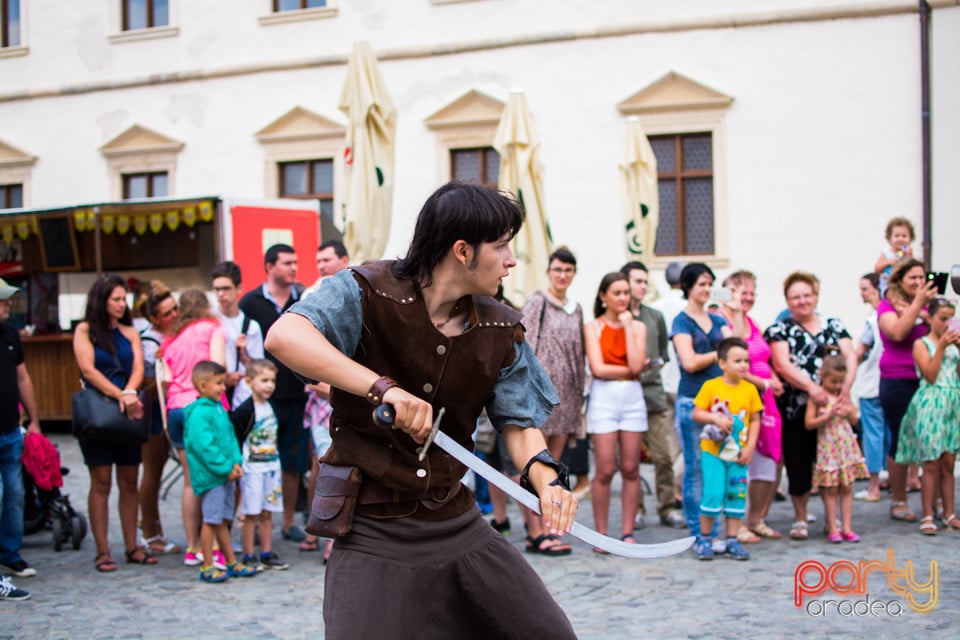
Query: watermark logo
[{"x": 846, "y": 578}]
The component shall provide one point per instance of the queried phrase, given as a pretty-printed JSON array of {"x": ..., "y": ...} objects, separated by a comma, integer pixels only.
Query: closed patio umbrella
[
  {"x": 521, "y": 174},
  {"x": 638, "y": 171},
  {"x": 369, "y": 156}
]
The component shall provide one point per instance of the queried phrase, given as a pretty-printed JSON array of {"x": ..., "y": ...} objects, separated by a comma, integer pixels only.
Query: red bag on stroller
[{"x": 42, "y": 461}]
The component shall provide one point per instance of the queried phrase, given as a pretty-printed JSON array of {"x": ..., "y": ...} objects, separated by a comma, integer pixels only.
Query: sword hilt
[{"x": 384, "y": 415}]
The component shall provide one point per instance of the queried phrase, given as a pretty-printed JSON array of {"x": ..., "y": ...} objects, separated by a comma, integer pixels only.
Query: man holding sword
[{"x": 418, "y": 335}]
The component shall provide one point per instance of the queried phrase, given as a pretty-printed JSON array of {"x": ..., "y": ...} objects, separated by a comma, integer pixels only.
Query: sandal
[
  {"x": 103, "y": 563},
  {"x": 765, "y": 531},
  {"x": 536, "y": 545},
  {"x": 927, "y": 526},
  {"x": 901, "y": 512},
  {"x": 601, "y": 552},
  {"x": 799, "y": 530},
  {"x": 951, "y": 522},
  {"x": 628, "y": 538},
  {"x": 745, "y": 536},
  {"x": 139, "y": 555},
  {"x": 310, "y": 545},
  {"x": 158, "y": 545},
  {"x": 866, "y": 496}
]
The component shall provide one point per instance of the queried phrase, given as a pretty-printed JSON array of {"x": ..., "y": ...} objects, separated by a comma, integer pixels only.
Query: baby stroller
[{"x": 44, "y": 506}]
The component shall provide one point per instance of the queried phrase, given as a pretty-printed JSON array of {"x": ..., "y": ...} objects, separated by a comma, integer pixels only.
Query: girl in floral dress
[
  {"x": 931, "y": 427},
  {"x": 839, "y": 460}
]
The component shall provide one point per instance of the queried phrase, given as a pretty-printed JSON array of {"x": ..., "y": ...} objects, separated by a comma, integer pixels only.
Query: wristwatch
[{"x": 547, "y": 459}]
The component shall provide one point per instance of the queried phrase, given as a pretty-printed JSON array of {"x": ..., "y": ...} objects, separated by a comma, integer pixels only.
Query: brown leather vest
[{"x": 399, "y": 340}]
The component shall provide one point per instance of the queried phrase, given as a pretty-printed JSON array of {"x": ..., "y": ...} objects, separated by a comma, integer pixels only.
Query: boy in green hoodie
[{"x": 214, "y": 458}]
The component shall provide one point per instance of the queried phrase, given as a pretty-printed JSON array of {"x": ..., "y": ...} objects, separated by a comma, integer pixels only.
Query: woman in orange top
[{"x": 616, "y": 414}]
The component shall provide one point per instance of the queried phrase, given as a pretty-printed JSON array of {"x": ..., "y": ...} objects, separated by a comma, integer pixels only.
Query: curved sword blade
[{"x": 530, "y": 501}]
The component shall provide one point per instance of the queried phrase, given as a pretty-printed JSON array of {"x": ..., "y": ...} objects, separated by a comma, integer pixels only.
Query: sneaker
[
  {"x": 19, "y": 569},
  {"x": 674, "y": 519},
  {"x": 192, "y": 558},
  {"x": 219, "y": 562},
  {"x": 251, "y": 560},
  {"x": 850, "y": 536},
  {"x": 735, "y": 551},
  {"x": 240, "y": 570},
  {"x": 639, "y": 522},
  {"x": 10, "y": 592},
  {"x": 719, "y": 545},
  {"x": 270, "y": 560},
  {"x": 704, "y": 549},
  {"x": 212, "y": 574},
  {"x": 503, "y": 528},
  {"x": 294, "y": 534}
]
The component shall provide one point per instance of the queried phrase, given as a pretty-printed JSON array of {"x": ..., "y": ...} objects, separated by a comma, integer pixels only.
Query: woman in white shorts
[{"x": 616, "y": 414}]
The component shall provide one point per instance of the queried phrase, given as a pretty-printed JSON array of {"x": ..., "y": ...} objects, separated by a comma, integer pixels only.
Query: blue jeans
[
  {"x": 688, "y": 430},
  {"x": 11, "y": 496},
  {"x": 876, "y": 434}
]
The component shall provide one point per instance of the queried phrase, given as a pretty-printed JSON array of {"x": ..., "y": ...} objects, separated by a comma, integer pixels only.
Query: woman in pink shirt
[
  {"x": 200, "y": 337},
  {"x": 902, "y": 318}
]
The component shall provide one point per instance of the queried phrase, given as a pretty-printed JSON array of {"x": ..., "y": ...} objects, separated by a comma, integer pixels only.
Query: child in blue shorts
[
  {"x": 729, "y": 407},
  {"x": 214, "y": 459}
]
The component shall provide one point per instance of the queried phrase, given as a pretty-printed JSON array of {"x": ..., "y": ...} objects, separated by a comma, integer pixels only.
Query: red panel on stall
[{"x": 256, "y": 228}]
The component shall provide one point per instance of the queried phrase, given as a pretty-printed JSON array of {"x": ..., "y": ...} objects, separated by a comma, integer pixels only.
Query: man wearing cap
[{"x": 15, "y": 388}]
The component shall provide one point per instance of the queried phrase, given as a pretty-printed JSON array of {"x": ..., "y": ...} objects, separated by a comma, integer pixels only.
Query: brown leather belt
[{"x": 371, "y": 493}]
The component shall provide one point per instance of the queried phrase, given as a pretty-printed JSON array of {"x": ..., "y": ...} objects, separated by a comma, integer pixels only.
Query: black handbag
[{"x": 98, "y": 417}]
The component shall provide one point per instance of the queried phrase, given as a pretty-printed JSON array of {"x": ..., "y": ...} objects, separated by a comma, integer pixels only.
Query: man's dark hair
[
  {"x": 204, "y": 370},
  {"x": 457, "y": 211},
  {"x": 227, "y": 269},
  {"x": 337, "y": 247},
  {"x": 632, "y": 266},
  {"x": 273, "y": 253},
  {"x": 729, "y": 343}
]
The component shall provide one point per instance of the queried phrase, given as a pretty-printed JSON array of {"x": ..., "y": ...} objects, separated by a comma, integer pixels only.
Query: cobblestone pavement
[{"x": 604, "y": 596}]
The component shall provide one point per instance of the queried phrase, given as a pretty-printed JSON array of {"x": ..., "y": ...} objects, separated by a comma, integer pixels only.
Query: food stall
[{"x": 55, "y": 254}]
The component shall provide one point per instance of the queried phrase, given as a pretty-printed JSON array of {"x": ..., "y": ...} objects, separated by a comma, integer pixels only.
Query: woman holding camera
[{"x": 902, "y": 318}]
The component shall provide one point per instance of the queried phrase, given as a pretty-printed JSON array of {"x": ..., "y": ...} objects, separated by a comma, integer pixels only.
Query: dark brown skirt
[{"x": 458, "y": 578}]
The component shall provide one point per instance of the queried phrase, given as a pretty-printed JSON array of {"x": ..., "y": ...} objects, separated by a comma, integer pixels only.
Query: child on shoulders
[
  {"x": 213, "y": 458},
  {"x": 900, "y": 235},
  {"x": 255, "y": 423},
  {"x": 839, "y": 460},
  {"x": 729, "y": 407}
]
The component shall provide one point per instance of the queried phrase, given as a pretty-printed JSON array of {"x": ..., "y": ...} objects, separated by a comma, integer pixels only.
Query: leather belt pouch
[{"x": 334, "y": 501}]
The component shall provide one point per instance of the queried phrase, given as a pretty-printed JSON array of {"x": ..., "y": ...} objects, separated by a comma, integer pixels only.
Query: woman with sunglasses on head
[
  {"x": 198, "y": 335},
  {"x": 159, "y": 307},
  {"x": 902, "y": 318}
]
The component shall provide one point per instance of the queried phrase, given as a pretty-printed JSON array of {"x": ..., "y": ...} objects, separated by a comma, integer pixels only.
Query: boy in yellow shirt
[{"x": 729, "y": 407}]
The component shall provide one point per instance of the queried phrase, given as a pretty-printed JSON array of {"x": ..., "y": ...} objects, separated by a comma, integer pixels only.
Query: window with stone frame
[
  {"x": 9, "y": 23},
  {"x": 11, "y": 196},
  {"x": 685, "y": 181},
  {"x": 309, "y": 179},
  {"x": 297, "y": 5},
  {"x": 145, "y": 185},
  {"x": 479, "y": 165},
  {"x": 145, "y": 14}
]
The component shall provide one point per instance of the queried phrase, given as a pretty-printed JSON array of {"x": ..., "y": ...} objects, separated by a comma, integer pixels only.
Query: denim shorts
[
  {"x": 218, "y": 503},
  {"x": 175, "y": 422}
]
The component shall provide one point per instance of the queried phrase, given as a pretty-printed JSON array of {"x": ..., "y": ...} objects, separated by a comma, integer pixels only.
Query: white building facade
[{"x": 794, "y": 125}]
